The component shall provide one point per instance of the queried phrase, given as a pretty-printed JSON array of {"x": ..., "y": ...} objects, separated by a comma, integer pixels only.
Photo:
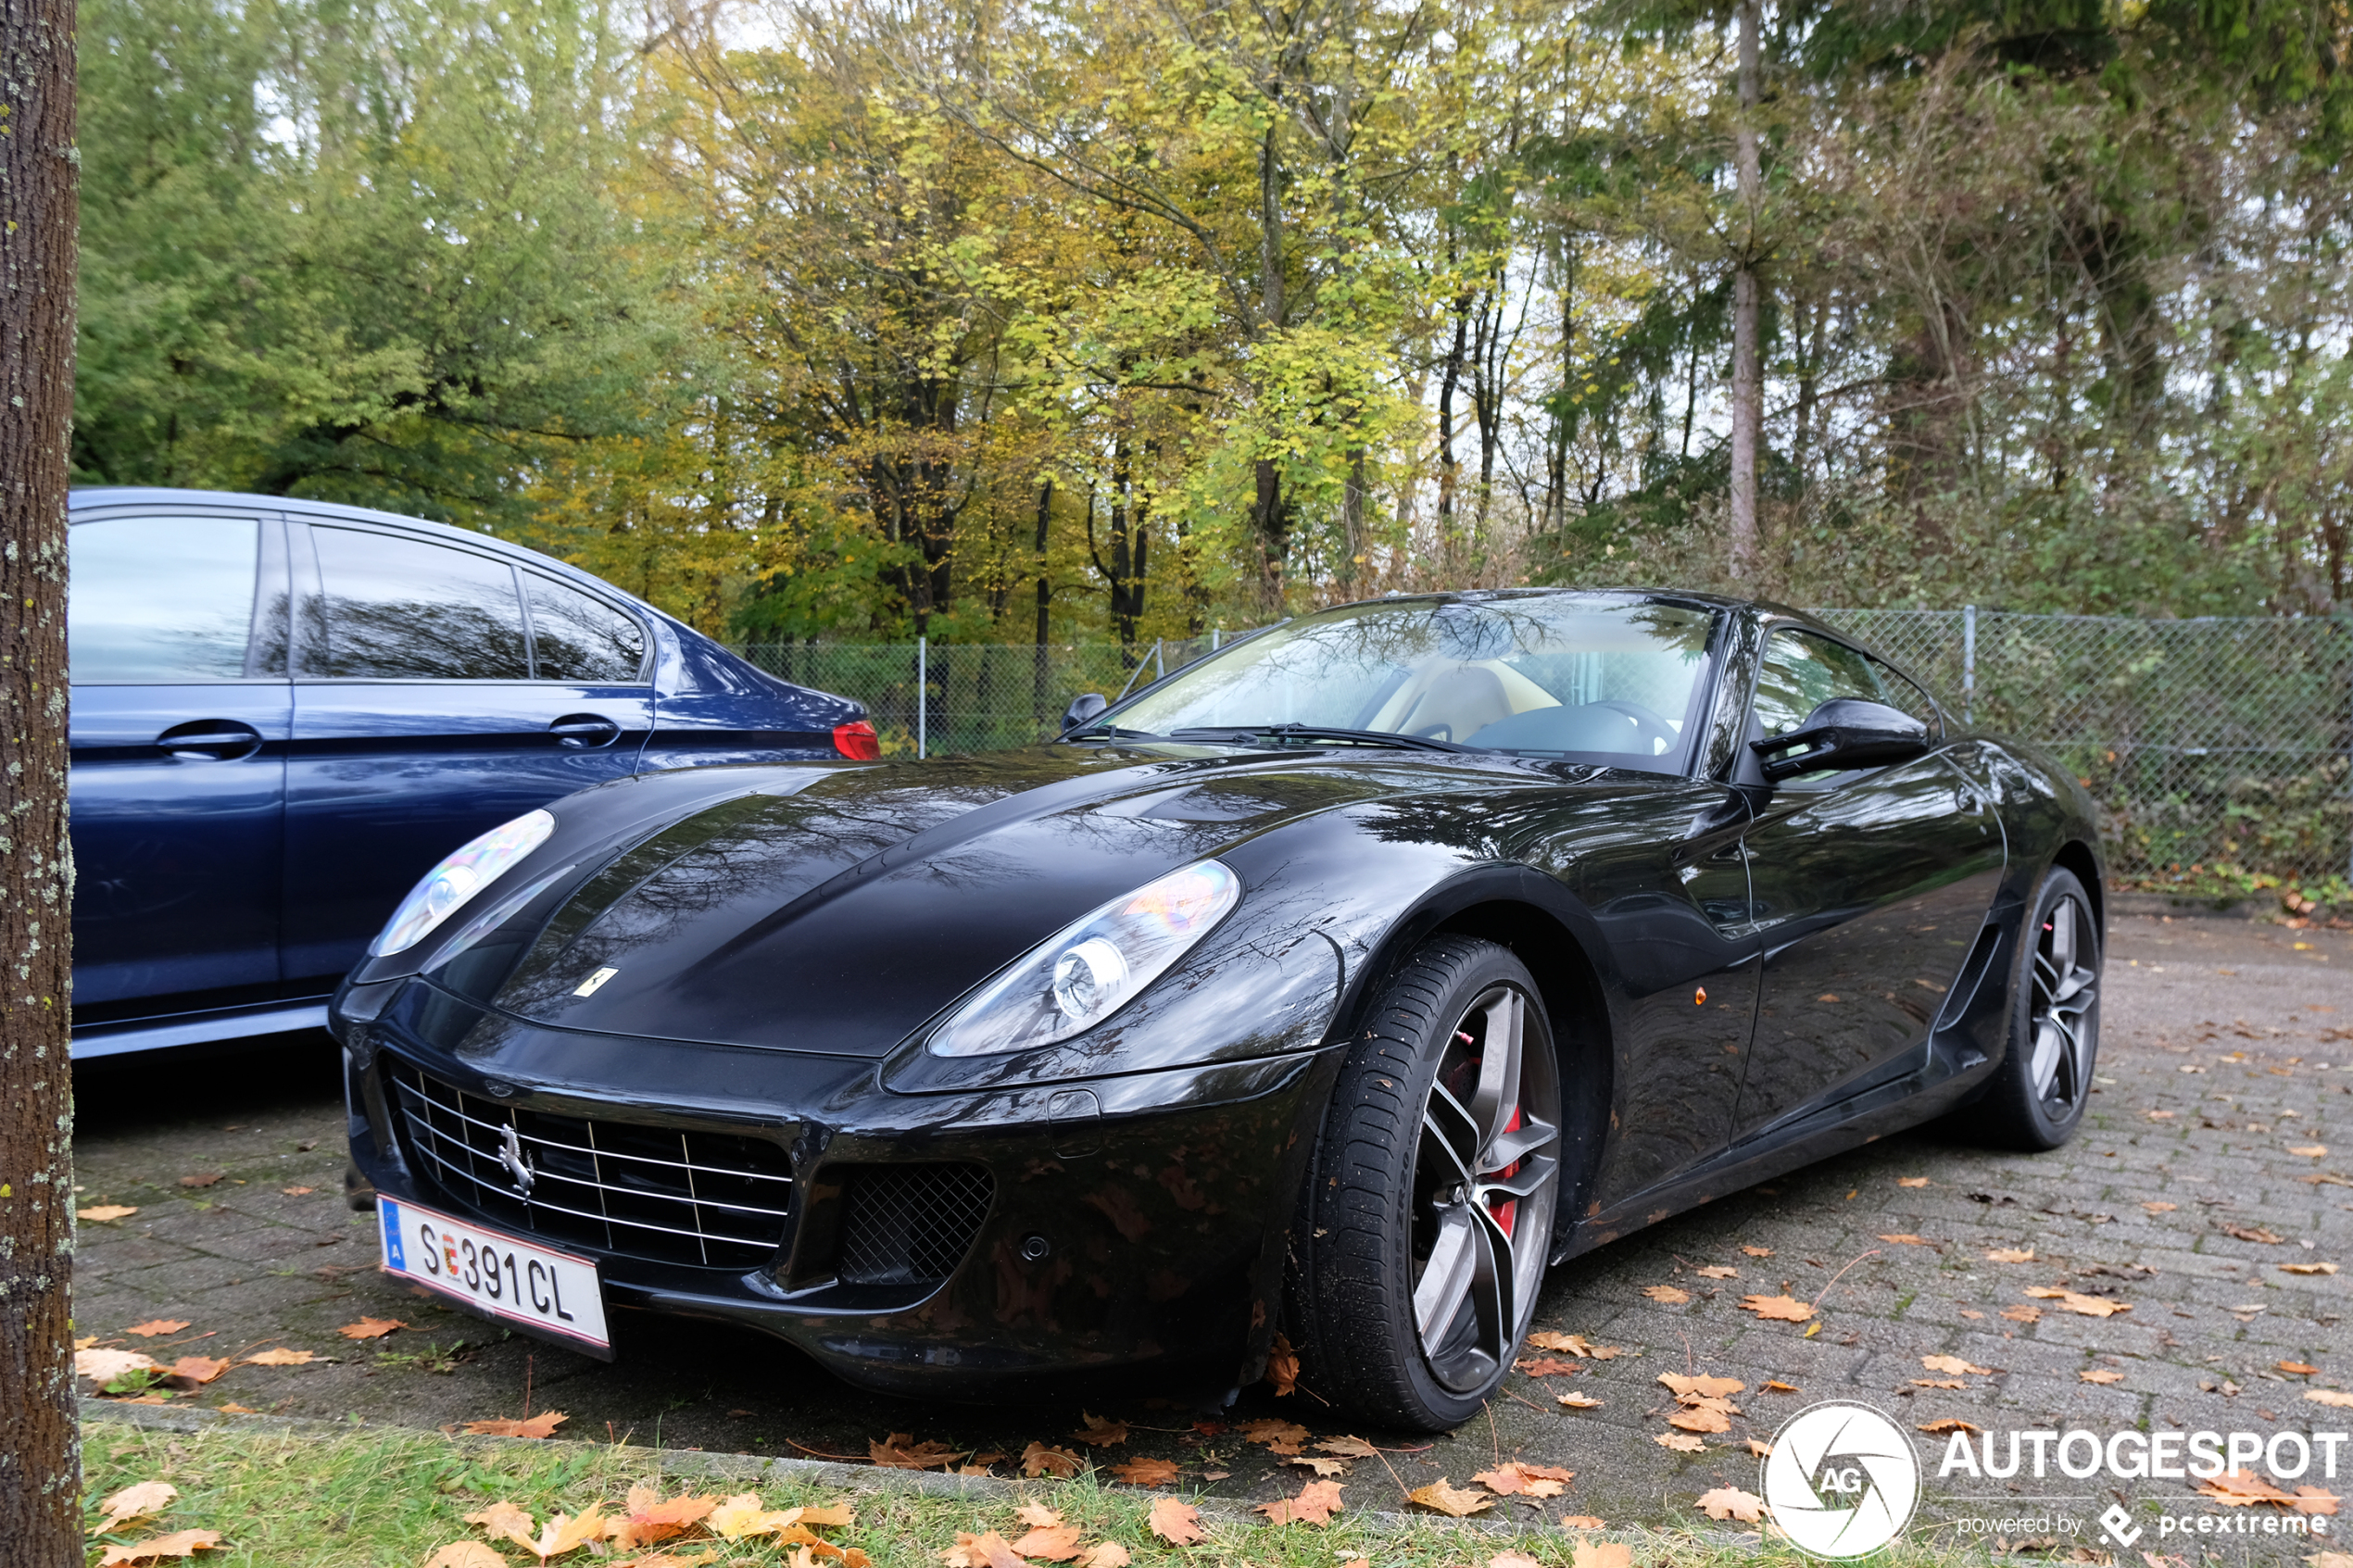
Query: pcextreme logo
[{"x": 1842, "y": 1480}]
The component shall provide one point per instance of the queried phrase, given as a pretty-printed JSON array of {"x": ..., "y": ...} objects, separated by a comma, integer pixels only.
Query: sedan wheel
[
  {"x": 2038, "y": 1097},
  {"x": 1430, "y": 1216}
]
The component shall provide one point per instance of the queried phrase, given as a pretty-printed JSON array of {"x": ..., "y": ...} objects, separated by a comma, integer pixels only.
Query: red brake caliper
[{"x": 1508, "y": 1210}]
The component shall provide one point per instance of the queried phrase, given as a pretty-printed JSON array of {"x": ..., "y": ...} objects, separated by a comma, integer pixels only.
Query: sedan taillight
[{"x": 858, "y": 742}]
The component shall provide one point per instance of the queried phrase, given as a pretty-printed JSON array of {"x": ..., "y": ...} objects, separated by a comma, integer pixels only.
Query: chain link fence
[{"x": 2216, "y": 749}]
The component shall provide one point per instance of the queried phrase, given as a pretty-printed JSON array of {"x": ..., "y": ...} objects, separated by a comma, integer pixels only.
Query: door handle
[
  {"x": 583, "y": 731},
  {"x": 209, "y": 740}
]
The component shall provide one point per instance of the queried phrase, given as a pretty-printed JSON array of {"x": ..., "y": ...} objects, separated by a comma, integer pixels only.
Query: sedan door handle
[
  {"x": 209, "y": 740},
  {"x": 583, "y": 731}
]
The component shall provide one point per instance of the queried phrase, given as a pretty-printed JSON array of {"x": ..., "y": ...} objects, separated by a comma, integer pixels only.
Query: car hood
[{"x": 842, "y": 915}]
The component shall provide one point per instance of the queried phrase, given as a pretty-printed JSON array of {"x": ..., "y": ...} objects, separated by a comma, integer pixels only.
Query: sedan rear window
[
  {"x": 576, "y": 637},
  {"x": 392, "y": 608}
]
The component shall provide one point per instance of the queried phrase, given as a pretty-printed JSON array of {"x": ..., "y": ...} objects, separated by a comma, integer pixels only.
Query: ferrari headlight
[
  {"x": 466, "y": 873},
  {"x": 1091, "y": 968}
]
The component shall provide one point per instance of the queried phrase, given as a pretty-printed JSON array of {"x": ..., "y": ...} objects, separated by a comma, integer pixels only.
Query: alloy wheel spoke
[
  {"x": 1497, "y": 1095},
  {"x": 1446, "y": 1124},
  {"x": 1447, "y": 1277}
]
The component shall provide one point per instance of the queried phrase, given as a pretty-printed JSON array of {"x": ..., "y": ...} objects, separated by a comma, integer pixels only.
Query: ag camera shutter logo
[{"x": 1841, "y": 1481}]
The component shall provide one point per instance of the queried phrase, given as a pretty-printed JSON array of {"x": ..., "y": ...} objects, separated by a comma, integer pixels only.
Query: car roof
[{"x": 96, "y": 497}]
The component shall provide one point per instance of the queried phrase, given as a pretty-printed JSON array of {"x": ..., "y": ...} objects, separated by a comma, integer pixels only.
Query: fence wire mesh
[{"x": 2216, "y": 749}]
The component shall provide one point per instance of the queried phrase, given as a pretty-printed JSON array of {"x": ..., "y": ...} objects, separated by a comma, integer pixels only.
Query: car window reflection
[
  {"x": 161, "y": 599},
  {"x": 395, "y": 608}
]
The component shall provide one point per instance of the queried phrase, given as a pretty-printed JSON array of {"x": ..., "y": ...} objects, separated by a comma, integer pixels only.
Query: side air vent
[{"x": 910, "y": 1224}]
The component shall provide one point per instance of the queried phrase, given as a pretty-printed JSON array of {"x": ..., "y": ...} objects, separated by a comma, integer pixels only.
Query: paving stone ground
[{"x": 2228, "y": 1049}]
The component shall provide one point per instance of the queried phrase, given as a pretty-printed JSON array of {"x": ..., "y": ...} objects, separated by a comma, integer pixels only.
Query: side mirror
[
  {"x": 1845, "y": 732},
  {"x": 1083, "y": 710}
]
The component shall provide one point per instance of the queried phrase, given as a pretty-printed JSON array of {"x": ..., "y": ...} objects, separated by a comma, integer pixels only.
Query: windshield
[{"x": 1597, "y": 678}]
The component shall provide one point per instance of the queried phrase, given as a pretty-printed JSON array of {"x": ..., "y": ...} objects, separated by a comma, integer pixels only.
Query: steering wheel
[{"x": 1653, "y": 728}]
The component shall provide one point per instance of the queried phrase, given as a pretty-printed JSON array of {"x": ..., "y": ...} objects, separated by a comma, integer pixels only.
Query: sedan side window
[
  {"x": 167, "y": 600},
  {"x": 1803, "y": 669},
  {"x": 576, "y": 637},
  {"x": 392, "y": 608}
]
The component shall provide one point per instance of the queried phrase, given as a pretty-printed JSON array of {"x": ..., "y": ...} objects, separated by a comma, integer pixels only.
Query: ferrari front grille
[
  {"x": 911, "y": 1224},
  {"x": 716, "y": 1200}
]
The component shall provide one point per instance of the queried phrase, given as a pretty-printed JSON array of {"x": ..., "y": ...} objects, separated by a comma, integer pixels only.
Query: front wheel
[
  {"x": 1429, "y": 1218},
  {"x": 2038, "y": 1094}
]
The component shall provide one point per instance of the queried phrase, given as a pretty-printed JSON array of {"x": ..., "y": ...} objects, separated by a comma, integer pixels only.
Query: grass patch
[{"x": 379, "y": 1497}]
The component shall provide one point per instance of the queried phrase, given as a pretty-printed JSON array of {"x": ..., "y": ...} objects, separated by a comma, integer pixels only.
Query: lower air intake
[{"x": 911, "y": 1224}]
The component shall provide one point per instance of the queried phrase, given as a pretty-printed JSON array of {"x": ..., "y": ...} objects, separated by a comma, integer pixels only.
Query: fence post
[
  {"x": 923, "y": 692},
  {"x": 1212, "y": 639},
  {"x": 1159, "y": 659},
  {"x": 1969, "y": 664}
]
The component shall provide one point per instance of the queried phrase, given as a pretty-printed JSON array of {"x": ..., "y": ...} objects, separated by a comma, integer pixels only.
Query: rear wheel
[
  {"x": 1429, "y": 1219},
  {"x": 2038, "y": 1096}
]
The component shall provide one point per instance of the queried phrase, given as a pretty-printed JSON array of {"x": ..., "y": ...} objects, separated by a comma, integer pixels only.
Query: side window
[
  {"x": 391, "y": 608},
  {"x": 575, "y": 638},
  {"x": 1800, "y": 672},
  {"x": 157, "y": 600}
]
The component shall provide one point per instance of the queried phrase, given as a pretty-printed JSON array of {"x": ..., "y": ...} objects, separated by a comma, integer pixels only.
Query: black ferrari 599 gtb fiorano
[{"x": 1341, "y": 984}]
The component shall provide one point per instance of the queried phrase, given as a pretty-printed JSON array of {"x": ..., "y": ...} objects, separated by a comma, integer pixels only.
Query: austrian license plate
[{"x": 491, "y": 1272}]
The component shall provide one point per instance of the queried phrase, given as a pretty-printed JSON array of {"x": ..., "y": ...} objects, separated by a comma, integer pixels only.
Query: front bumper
[{"x": 1133, "y": 1222}]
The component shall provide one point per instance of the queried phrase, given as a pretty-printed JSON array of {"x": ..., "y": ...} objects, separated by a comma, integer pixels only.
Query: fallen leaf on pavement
[
  {"x": 281, "y": 1358},
  {"x": 2308, "y": 1268},
  {"x": 1580, "y": 1401},
  {"x": 1316, "y": 1504},
  {"x": 2010, "y": 1255},
  {"x": 1757, "y": 1251},
  {"x": 1938, "y": 1383},
  {"x": 1911, "y": 1181},
  {"x": 1098, "y": 1433},
  {"x": 1602, "y": 1554},
  {"x": 180, "y": 1543},
  {"x": 2023, "y": 1314},
  {"x": 2101, "y": 1375},
  {"x": 155, "y": 1328},
  {"x": 102, "y": 1213},
  {"x": 544, "y": 1424},
  {"x": 1777, "y": 1308},
  {"x": 1545, "y": 1366},
  {"x": 102, "y": 1367},
  {"x": 2299, "y": 1368},
  {"x": 1347, "y": 1448},
  {"x": 1731, "y": 1502},
  {"x": 1146, "y": 1472},
  {"x": 2261, "y": 1233},
  {"x": 2336, "y": 1397},
  {"x": 2314, "y": 1499},
  {"x": 1760, "y": 1448},
  {"x": 2156, "y": 1206},
  {"x": 1667, "y": 1295},
  {"x": 1905, "y": 1238},
  {"x": 1700, "y": 1384},
  {"x": 1954, "y": 1364},
  {"x": 900, "y": 1451},
  {"x": 1457, "y": 1502},
  {"x": 198, "y": 1369},
  {"x": 1513, "y": 1478},
  {"x": 1049, "y": 1543},
  {"x": 2309, "y": 1150},
  {"x": 1177, "y": 1521},
  {"x": 2090, "y": 1306},
  {"x": 201, "y": 1179},
  {"x": 1778, "y": 1386},
  {"x": 991, "y": 1551},
  {"x": 1704, "y": 1418},
  {"x": 465, "y": 1554},
  {"x": 1719, "y": 1271},
  {"x": 135, "y": 1501},
  {"x": 2240, "y": 1488},
  {"x": 1583, "y": 1521},
  {"x": 1573, "y": 1344},
  {"x": 298, "y": 1192},
  {"x": 371, "y": 1328},
  {"x": 1683, "y": 1443},
  {"x": 1949, "y": 1424},
  {"x": 1039, "y": 1460},
  {"x": 1319, "y": 1464},
  {"x": 1283, "y": 1437}
]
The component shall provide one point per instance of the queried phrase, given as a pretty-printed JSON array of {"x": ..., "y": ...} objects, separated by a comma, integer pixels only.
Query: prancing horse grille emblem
[{"x": 510, "y": 1156}]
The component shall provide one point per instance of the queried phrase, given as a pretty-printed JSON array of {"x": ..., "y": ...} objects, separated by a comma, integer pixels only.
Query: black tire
[
  {"x": 1399, "y": 1224},
  {"x": 2037, "y": 1098}
]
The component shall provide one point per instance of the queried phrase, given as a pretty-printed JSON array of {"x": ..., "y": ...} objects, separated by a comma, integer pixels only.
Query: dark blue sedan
[{"x": 284, "y": 712}]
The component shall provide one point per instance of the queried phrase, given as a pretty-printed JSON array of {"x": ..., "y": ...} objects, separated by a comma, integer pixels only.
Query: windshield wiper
[
  {"x": 1318, "y": 732},
  {"x": 1110, "y": 732}
]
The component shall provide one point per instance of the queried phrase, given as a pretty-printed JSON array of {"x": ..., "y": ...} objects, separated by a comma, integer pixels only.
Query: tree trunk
[
  {"x": 40, "y": 1450},
  {"x": 1748, "y": 390}
]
